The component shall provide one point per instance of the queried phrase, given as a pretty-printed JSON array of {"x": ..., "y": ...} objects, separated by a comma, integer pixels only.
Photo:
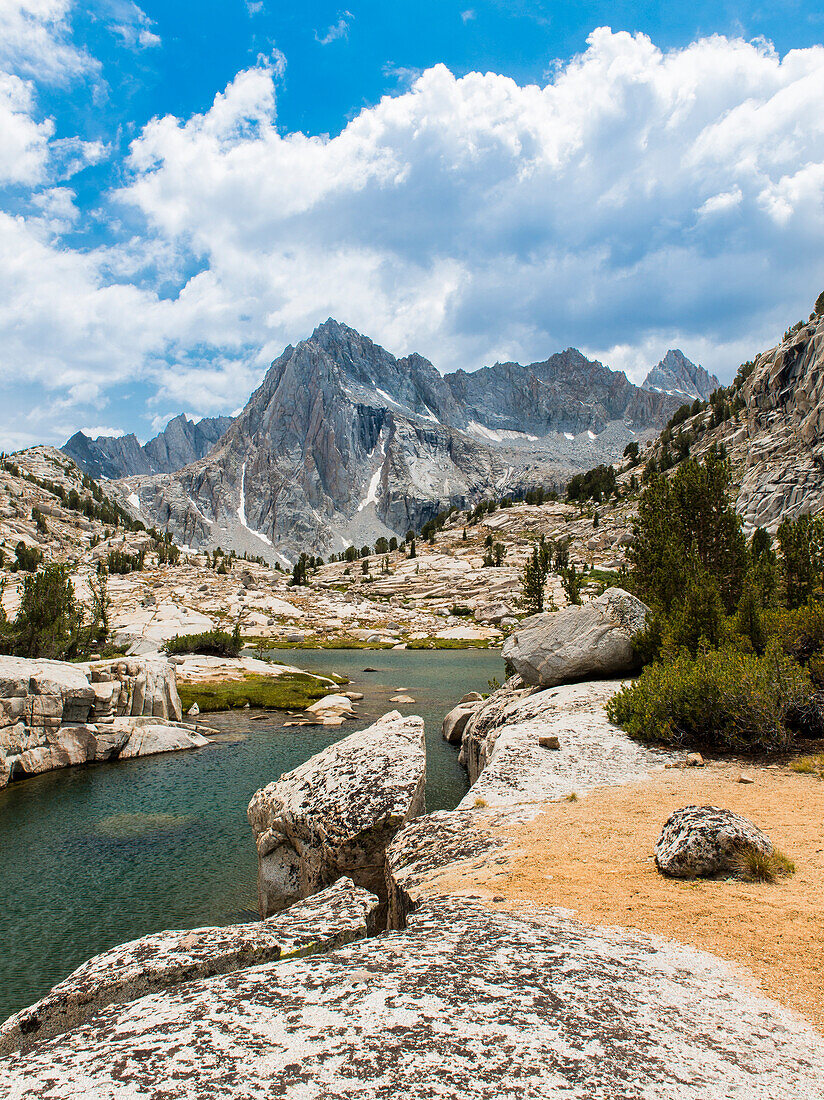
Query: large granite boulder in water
[
  {"x": 704, "y": 842},
  {"x": 456, "y": 721},
  {"x": 592, "y": 641},
  {"x": 337, "y": 813},
  {"x": 336, "y": 916}
]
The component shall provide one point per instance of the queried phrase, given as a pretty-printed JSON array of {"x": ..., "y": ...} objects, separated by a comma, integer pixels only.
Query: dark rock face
[
  {"x": 677, "y": 376},
  {"x": 181, "y": 442},
  {"x": 466, "y": 1002},
  {"x": 704, "y": 841},
  {"x": 342, "y": 443}
]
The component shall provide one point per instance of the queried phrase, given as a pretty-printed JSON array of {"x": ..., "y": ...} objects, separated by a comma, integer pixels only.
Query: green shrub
[
  {"x": 49, "y": 619},
  {"x": 720, "y": 698},
  {"x": 27, "y": 558},
  {"x": 800, "y": 633},
  {"x": 121, "y": 562},
  {"x": 212, "y": 643}
]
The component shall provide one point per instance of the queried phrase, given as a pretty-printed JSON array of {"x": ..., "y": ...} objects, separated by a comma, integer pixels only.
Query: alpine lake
[{"x": 95, "y": 856}]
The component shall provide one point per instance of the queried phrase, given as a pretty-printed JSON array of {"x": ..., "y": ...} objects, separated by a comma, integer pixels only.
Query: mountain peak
[{"x": 679, "y": 376}]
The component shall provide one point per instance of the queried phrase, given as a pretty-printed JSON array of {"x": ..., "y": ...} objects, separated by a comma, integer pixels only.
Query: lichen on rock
[
  {"x": 338, "y": 915},
  {"x": 705, "y": 842},
  {"x": 337, "y": 813}
]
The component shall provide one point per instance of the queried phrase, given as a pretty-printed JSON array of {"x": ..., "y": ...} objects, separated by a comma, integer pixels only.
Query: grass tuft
[
  {"x": 753, "y": 865},
  {"x": 809, "y": 765}
]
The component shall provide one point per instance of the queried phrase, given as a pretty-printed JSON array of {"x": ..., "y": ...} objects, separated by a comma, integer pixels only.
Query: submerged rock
[
  {"x": 338, "y": 812},
  {"x": 465, "y": 1003},
  {"x": 704, "y": 841},
  {"x": 593, "y": 640},
  {"x": 335, "y": 916}
]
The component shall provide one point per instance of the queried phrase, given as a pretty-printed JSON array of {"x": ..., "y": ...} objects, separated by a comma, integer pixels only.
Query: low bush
[
  {"x": 809, "y": 765},
  {"x": 720, "y": 698},
  {"x": 122, "y": 562},
  {"x": 212, "y": 643}
]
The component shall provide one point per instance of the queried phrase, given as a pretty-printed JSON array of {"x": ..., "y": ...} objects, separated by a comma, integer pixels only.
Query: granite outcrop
[
  {"x": 54, "y": 714},
  {"x": 337, "y": 813}
]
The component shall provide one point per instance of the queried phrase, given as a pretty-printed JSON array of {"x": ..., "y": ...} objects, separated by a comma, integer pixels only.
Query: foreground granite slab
[
  {"x": 335, "y": 916},
  {"x": 467, "y": 1003}
]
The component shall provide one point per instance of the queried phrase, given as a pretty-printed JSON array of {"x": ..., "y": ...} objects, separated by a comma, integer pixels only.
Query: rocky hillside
[
  {"x": 677, "y": 376},
  {"x": 770, "y": 421},
  {"x": 182, "y": 441},
  {"x": 343, "y": 443}
]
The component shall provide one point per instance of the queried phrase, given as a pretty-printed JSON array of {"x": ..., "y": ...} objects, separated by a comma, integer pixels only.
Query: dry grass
[
  {"x": 809, "y": 765},
  {"x": 594, "y": 855},
  {"x": 754, "y": 865}
]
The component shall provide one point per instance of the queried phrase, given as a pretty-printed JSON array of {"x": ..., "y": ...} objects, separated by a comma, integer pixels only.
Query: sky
[{"x": 187, "y": 188}]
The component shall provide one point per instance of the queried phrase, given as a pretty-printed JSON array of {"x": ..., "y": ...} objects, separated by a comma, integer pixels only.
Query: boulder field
[
  {"x": 461, "y": 996},
  {"x": 54, "y": 714}
]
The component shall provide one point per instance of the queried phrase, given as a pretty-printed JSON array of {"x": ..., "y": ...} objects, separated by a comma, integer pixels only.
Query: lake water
[{"x": 91, "y": 857}]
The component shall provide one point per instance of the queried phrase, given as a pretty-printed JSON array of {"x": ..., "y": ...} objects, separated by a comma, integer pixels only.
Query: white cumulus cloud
[
  {"x": 36, "y": 40},
  {"x": 641, "y": 199}
]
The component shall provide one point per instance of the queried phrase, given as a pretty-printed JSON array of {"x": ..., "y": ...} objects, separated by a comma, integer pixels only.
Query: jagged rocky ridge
[
  {"x": 677, "y": 376},
  {"x": 780, "y": 444},
  {"x": 343, "y": 442},
  {"x": 182, "y": 441},
  {"x": 773, "y": 432}
]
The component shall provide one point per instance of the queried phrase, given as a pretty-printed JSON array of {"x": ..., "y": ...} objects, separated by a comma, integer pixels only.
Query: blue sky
[{"x": 185, "y": 188}]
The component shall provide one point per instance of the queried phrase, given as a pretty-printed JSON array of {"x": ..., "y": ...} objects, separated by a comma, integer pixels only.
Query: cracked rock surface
[
  {"x": 337, "y": 813},
  {"x": 335, "y": 916},
  {"x": 467, "y": 1002},
  {"x": 503, "y": 755}
]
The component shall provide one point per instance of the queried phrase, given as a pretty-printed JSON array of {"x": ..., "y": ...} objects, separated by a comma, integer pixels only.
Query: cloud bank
[{"x": 640, "y": 200}]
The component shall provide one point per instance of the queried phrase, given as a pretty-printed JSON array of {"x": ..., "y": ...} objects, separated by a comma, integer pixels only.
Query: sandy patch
[{"x": 594, "y": 856}]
